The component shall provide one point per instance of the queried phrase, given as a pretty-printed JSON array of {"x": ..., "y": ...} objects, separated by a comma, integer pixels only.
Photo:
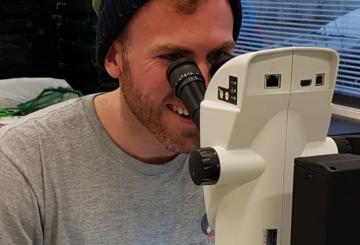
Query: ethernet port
[
  {"x": 319, "y": 80},
  {"x": 273, "y": 81}
]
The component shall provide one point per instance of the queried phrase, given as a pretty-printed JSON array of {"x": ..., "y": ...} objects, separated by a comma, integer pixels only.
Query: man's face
[{"x": 156, "y": 33}]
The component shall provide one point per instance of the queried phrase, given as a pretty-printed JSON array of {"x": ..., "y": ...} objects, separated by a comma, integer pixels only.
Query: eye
[
  {"x": 212, "y": 57},
  {"x": 171, "y": 57}
]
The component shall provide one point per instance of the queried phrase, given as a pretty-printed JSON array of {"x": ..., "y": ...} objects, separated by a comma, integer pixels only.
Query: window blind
[{"x": 310, "y": 23}]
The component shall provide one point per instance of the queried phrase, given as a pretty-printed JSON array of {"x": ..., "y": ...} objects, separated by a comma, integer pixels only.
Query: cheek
[{"x": 153, "y": 83}]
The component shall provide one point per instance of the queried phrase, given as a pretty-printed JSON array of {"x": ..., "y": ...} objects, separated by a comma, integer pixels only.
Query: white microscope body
[{"x": 261, "y": 111}]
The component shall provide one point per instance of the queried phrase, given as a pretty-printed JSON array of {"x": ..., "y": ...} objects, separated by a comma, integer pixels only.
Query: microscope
[{"x": 262, "y": 112}]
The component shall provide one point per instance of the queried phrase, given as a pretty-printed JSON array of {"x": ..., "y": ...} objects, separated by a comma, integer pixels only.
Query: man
[{"x": 111, "y": 168}]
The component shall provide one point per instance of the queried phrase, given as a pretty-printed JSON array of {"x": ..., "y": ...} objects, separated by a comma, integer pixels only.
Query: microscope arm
[{"x": 237, "y": 168}]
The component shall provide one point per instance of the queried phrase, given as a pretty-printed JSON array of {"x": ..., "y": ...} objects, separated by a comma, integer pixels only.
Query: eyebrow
[{"x": 168, "y": 47}]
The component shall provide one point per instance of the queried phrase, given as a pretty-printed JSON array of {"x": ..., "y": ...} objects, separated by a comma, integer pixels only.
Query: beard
[{"x": 149, "y": 115}]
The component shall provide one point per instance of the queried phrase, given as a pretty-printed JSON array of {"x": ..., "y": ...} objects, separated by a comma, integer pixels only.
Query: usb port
[
  {"x": 270, "y": 237},
  {"x": 305, "y": 83}
]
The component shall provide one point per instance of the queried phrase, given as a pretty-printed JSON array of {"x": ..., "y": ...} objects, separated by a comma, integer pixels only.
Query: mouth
[{"x": 180, "y": 110}]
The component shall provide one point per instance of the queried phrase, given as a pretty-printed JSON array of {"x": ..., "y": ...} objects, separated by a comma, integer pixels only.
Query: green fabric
[
  {"x": 7, "y": 112},
  {"x": 46, "y": 98}
]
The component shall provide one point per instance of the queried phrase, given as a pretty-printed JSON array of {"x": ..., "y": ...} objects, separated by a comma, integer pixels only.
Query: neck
[{"x": 127, "y": 132}]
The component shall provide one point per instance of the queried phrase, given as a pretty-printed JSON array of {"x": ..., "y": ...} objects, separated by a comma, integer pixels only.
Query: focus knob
[{"x": 204, "y": 166}]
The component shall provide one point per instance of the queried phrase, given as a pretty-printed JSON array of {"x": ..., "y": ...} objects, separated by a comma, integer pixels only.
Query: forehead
[{"x": 158, "y": 21}]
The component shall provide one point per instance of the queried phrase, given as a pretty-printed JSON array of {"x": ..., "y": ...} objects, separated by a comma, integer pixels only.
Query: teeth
[{"x": 180, "y": 110}]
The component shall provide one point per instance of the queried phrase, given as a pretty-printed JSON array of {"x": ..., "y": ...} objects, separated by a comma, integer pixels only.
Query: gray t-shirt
[{"x": 63, "y": 181}]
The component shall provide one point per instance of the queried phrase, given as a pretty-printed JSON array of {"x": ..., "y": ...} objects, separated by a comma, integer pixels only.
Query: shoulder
[
  {"x": 24, "y": 135},
  {"x": 51, "y": 116}
]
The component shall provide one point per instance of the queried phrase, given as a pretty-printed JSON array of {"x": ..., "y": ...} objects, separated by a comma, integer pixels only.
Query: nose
[{"x": 205, "y": 71}]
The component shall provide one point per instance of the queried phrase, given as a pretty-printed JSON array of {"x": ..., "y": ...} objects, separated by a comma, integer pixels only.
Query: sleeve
[{"x": 20, "y": 219}]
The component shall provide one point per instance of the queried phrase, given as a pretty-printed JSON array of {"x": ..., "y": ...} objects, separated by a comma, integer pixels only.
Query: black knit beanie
[{"x": 115, "y": 14}]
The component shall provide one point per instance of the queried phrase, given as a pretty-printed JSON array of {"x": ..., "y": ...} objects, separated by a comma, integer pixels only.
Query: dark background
[{"x": 51, "y": 38}]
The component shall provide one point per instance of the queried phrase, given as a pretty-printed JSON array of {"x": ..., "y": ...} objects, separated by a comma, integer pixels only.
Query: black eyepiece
[
  {"x": 218, "y": 61},
  {"x": 188, "y": 84}
]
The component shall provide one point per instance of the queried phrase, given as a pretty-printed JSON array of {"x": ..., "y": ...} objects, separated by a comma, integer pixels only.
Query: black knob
[
  {"x": 204, "y": 166},
  {"x": 348, "y": 143}
]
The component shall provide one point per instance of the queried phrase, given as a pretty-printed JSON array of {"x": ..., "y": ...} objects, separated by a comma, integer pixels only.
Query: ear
[{"x": 113, "y": 61}]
